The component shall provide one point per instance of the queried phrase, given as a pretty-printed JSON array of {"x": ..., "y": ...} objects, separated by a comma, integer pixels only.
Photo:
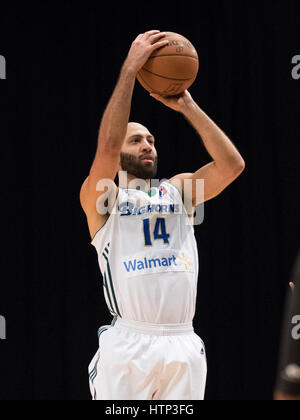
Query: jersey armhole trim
[
  {"x": 174, "y": 187},
  {"x": 96, "y": 234},
  {"x": 186, "y": 213}
]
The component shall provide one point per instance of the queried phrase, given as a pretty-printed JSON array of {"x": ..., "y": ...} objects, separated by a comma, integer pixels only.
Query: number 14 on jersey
[{"x": 160, "y": 231}]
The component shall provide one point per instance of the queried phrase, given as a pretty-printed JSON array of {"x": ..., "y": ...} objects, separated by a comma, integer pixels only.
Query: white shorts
[{"x": 139, "y": 361}]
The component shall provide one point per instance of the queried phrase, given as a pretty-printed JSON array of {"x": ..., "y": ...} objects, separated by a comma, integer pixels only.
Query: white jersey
[{"x": 148, "y": 257}]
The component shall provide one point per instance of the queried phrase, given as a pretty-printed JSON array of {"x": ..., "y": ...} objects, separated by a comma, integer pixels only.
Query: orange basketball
[{"x": 171, "y": 69}]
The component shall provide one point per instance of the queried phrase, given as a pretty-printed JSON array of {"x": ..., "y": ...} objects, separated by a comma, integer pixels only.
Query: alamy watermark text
[
  {"x": 2, "y": 67},
  {"x": 191, "y": 201},
  {"x": 296, "y": 329},
  {"x": 2, "y": 328},
  {"x": 296, "y": 68}
]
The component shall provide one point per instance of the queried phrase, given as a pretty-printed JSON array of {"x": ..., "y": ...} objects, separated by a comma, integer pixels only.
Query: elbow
[
  {"x": 236, "y": 168},
  {"x": 240, "y": 166}
]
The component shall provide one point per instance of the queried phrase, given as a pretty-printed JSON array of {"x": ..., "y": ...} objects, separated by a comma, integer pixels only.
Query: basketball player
[
  {"x": 288, "y": 385},
  {"x": 147, "y": 252}
]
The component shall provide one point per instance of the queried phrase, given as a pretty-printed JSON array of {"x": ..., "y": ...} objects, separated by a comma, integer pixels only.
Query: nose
[{"x": 146, "y": 146}]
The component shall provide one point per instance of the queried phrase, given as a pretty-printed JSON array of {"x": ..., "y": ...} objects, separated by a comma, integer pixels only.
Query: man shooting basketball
[{"x": 147, "y": 253}]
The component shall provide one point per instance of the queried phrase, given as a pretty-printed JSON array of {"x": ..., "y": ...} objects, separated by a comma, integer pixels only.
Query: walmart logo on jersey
[{"x": 167, "y": 261}]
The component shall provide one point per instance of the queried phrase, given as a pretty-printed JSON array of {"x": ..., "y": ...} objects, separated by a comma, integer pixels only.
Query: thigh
[
  {"x": 184, "y": 376},
  {"x": 123, "y": 365},
  {"x": 134, "y": 366}
]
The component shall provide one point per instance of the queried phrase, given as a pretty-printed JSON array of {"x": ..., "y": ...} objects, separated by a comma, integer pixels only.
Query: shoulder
[
  {"x": 83, "y": 191},
  {"x": 178, "y": 181},
  {"x": 91, "y": 204},
  {"x": 91, "y": 195}
]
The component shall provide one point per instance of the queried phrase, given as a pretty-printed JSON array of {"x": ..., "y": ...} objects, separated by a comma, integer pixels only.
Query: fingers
[
  {"x": 147, "y": 35},
  {"x": 156, "y": 37},
  {"x": 159, "y": 98},
  {"x": 152, "y": 36},
  {"x": 139, "y": 37},
  {"x": 150, "y": 33},
  {"x": 160, "y": 44},
  {"x": 156, "y": 96}
]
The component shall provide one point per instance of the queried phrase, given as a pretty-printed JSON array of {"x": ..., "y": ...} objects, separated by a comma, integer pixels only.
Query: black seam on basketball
[
  {"x": 174, "y": 55},
  {"x": 144, "y": 80},
  {"x": 169, "y": 78}
]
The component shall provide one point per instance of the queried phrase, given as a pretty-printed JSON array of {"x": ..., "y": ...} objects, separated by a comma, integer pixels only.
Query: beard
[{"x": 135, "y": 167}]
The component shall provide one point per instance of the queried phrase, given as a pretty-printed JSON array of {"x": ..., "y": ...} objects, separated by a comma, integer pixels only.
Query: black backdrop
[{"x": 62, "y": 64}]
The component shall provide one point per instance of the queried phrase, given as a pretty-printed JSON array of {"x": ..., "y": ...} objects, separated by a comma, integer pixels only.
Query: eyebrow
[{"x": 150, "y": 136}]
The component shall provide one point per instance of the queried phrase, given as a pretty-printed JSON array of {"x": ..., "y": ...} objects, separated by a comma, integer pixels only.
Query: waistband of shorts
[{"x": 155, "y": 329}]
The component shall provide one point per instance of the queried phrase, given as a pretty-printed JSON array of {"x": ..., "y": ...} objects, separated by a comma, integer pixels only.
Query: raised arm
[
  {"x": 227, "y": 163},
  {"x": 114, "y": 125},
  {"x": 115, "y": 119}
]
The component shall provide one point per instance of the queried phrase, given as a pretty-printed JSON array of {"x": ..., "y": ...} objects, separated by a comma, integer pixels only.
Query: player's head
[{"x": 138, "y": 145}]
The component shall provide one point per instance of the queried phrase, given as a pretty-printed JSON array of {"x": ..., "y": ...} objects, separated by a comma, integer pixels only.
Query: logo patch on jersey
[
  {"x": 162, "y": 192},
  {"x": 161, "y": 261},
  {"x": 184, "y": 261}
]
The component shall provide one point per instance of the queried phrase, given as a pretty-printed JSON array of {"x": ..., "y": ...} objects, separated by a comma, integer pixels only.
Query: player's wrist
[
  {"x": 129, "y": 68},
  {"x": 188, "y": 108}
]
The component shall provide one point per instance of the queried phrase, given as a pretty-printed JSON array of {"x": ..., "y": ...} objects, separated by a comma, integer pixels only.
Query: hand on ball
[
  {"x": 177, "y": 103},
  {"x": 143, "y": 47}
]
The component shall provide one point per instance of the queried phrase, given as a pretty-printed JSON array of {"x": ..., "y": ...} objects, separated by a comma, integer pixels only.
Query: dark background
[{"x": 62, "y": 64}]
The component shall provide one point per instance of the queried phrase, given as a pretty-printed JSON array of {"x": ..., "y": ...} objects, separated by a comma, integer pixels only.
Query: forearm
[
  {"x": 218, "y": 145},
  {"x": 116, "y": 116}
]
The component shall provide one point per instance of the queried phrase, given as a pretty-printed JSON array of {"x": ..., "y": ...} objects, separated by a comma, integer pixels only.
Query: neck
[{"x": 124, "y": 182}]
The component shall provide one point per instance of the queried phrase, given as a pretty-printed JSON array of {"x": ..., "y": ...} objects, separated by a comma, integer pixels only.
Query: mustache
[{"x": 131, "y": 158}]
